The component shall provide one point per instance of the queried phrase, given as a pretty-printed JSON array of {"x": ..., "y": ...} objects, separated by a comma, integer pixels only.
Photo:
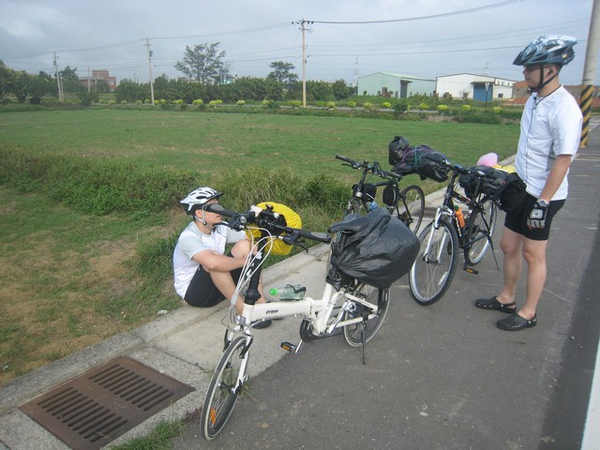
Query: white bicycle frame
[
  {"x": 441, "y": 211},
  {"x": 317, "y": 311}
]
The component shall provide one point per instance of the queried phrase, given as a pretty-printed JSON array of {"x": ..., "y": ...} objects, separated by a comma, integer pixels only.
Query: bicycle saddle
[
  {"x": 349, "y": 224},
  {"x": 483, "y": 170}
]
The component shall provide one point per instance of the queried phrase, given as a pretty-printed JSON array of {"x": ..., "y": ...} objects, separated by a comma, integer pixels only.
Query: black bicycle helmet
[{"x": 547, "y": 49}]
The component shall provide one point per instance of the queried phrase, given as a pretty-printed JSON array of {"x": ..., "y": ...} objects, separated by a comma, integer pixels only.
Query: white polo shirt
[
  {"x": 550, "y": 126},
  {"x": 191, "y": 242}
]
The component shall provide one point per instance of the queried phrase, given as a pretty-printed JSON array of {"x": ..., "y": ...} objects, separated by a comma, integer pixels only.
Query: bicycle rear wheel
[
  {"x": 224, "y": 388},
  {"x": 411, "y": 207},
  {"x": 477, "y": 232},
  {"x": 435, "y": 266},
  {"x": 353, "y": 333}
]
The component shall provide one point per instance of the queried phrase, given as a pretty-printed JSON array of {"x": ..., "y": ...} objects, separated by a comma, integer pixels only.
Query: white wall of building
[{"x": 464, "y": 85}]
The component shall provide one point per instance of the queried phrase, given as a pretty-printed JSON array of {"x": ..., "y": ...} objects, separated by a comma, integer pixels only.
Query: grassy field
[
  {"x": 70, "y": 280},
  {"x": 209, "y": 142}
]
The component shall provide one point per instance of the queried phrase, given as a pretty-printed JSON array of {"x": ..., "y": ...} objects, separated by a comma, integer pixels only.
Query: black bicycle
[
  {"x": 437, "y": 261},
  {"x": 407, "y": 204}
]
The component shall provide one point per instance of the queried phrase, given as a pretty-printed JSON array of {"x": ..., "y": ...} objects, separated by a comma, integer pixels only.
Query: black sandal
[
  {"x": 515, "y": 322},
  {"x": 493, "y": 303}
]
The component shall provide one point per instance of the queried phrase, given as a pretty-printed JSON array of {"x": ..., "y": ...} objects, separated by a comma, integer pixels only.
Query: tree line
[{"x": 206, "y": 77}]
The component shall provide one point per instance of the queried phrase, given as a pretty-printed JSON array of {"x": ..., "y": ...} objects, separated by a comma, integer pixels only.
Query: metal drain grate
[{"x": 95, "y": 408}]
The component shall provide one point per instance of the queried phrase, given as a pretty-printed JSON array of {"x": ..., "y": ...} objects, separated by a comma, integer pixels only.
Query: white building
[
  {"x": 475, "y": 87},
  {"x": 394, "y": 85}
]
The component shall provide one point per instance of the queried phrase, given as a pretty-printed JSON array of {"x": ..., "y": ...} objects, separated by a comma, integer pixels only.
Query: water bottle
[
  {"x": 459, "y": 216},
  {"x": 288, "y": 292},
  {"x": 373, "y": 206}
]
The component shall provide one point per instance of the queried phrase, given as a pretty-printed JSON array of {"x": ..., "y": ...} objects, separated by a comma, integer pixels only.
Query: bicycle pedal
[
  {"x": 288, "y": 346},
  {"x": 471, "y": 270}
]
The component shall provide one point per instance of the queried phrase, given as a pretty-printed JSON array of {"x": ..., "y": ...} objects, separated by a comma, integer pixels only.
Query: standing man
[
  {"x": 203, "y": 274},
  {"x": 550, "y": 134}
]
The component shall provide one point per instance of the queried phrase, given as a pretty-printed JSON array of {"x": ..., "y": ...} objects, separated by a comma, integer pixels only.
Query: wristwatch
[{"x": 543, "y": 203}]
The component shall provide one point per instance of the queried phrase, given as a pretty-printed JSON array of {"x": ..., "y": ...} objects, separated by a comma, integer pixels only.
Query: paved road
[{"x": 443, "y": 376}]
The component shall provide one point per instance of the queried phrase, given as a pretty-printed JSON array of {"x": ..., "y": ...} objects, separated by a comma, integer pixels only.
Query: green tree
[
  {"x": 282, "y": 73},
  {"x": 341, "y": 90},
  {"x": 204, "y": 63},
  {"x": 39, "y": 86},
  {"x": 7, "y": 80}
]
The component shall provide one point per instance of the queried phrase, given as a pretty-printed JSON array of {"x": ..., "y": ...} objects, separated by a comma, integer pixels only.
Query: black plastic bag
[{"x": 376, "y": 249}]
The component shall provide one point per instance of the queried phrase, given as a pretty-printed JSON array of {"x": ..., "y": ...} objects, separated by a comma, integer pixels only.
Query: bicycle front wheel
[
  {"x": 411, "y": 207},
  {"x": 224, "y": 389},
  {"x": 354, "y": 333},
  {"x": 477, "y": 242},
  {"x": 435, "y": 266}
]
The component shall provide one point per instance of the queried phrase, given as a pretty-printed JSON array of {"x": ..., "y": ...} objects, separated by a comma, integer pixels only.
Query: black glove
[{"x": 537, "y": 216}]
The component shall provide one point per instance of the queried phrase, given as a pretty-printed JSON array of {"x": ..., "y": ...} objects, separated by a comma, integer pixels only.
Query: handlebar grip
[
  {"x": 315, "y": 236},
  {"x": 218, "y": 209},
  {"x": 343, "y": 158}
]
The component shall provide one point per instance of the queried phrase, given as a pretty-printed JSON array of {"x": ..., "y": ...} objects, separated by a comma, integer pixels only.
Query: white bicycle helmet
[
  {"x": 547, "y": 49},
  {"x": 199, "y": 197}
]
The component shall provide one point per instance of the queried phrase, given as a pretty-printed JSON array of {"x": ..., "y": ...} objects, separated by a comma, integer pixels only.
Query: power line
[{"x": 432, "y": 16}]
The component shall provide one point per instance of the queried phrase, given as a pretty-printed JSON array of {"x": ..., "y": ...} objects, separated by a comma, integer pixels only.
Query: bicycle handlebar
[
  {"x": 374, "y": 168},
  {"x": 267, "y": 219}
]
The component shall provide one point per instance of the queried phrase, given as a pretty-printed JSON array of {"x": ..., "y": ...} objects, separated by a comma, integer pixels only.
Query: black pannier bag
[
  {"x": 375, "y": 249},
  {"x": 512, "y": 193},
  {"x": 405, "y": 158},
  {"x": 490, "y": 184},
  {"x": 432, "y": 165},
  {"x": 396, "y": 150}
]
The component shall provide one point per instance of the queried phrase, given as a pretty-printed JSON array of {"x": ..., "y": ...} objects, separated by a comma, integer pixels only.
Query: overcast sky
[{"x": 348, "y": 38}]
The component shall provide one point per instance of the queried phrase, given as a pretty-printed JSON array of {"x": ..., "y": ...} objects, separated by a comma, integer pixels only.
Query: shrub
[
  {"x": 386, "y": 105},
  {"x": 198, "y": 101},
  {"x": 423, "y": 106},
  {"x": 401, "y": 107},
  {"x": 294, "y": 103},
  {"x": 442, "y": 108},
  {"x": 466, "y": 107},
  {"x": 497, "y": 109},
  {"x": 368, "y": 106},
  {"x": 351, "y": 104},
  {"x": 240, "y": 103},
  {"x": 330, "y": 105}
]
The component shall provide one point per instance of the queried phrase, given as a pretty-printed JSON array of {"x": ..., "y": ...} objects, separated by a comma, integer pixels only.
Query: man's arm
[{"x": 556, "y": 176}]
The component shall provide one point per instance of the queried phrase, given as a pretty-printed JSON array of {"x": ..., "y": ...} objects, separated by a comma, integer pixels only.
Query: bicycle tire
[
  {"x": 223, "y": 393},
  {"x": 429, "y": 278},
  {"x": 410, "y": 208},
  {"x": 353, "y": 333},
  {"x": 477, "y": 234}
]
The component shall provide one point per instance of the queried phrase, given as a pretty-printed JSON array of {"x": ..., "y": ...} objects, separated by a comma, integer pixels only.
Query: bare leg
[
  {"x": 224, "y": 282},
  {"x": 511, "y": 245},
  {"x": 535, "y": 255}
]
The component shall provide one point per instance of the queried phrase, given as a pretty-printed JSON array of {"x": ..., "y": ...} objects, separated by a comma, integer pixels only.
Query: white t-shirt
[
  {"x": 191, "y": 242},
  {"x": 550, "y": 126}
]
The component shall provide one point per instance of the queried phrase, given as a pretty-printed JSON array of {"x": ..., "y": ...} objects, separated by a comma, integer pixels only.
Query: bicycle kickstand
[{"x": 363, "y": 339}]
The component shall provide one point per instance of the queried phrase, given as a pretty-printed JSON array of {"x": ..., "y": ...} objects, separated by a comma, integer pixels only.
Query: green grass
[
  {"x": 74, "y": 276},
  {"x": 214, "y": 142}
]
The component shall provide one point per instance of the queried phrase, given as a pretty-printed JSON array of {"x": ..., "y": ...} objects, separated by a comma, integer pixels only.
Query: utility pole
[
  {"x": 150, "y": 70},
  {"x": 589, "y": 72},
  {"x": 304, "y": 27},
  {"x": 61, "y": 96}
]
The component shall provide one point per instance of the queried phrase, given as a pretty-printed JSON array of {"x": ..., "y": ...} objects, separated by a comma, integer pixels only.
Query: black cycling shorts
[
  {"x": 518, "y": 222},
  {"x": 202, "y": 292}
]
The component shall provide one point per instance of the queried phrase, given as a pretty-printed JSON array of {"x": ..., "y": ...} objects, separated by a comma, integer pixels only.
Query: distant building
[
  {"x": 393, "y": 85},
  {"x": 99, "y": 75},
  {"x": 521, "y": 93},
  {"x": 474, "y": 87}
]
